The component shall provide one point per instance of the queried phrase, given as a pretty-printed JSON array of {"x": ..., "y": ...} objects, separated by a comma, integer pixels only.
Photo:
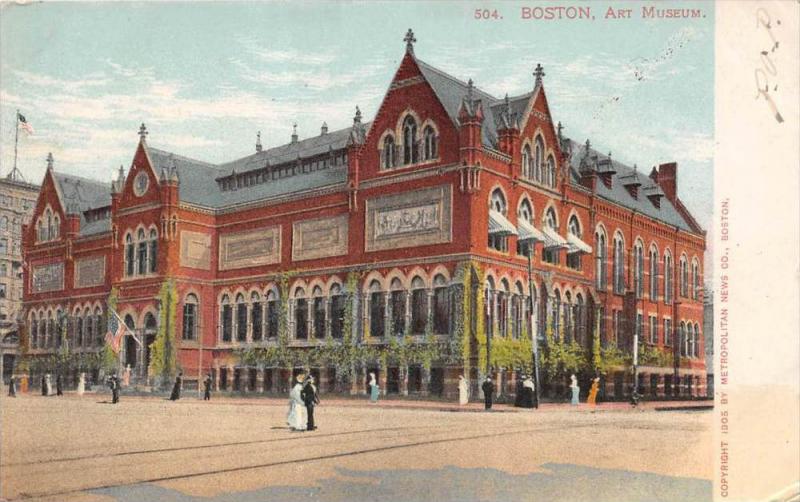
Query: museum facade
[{"x": 399, "y": 246}]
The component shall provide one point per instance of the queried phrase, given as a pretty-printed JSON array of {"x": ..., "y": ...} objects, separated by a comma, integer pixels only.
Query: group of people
[{"x": 302, "y": 400}]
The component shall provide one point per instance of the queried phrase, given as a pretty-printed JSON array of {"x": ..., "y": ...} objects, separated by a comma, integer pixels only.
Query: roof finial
[
  {"x": 357, "y": 118},
  {"x": 324, "y": 129},
  {"x": 49, "y": 160},
  {"x": 470, "y": 88},
  {"x": 142, "y": 133},
  {"x": 538, "y": 73},
  {"x": 258, "y": 141},
  {"x": 588, "y": 145},
  {"x": 409, "y": 40},
  {"x": 294, "y": 133}
]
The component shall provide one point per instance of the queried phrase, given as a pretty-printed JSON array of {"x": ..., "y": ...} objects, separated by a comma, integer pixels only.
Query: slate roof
[
  {"x": 619, "y": 194},
  {"x": 198, "y": 183},
  {"x": 84, "y": 194}
]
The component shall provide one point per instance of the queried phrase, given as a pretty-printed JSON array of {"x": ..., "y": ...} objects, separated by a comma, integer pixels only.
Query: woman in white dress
[
  {"x": 463, "y": 391},
  {"x": 296, "y": 419},
  {"x": 81, "y": 384}
]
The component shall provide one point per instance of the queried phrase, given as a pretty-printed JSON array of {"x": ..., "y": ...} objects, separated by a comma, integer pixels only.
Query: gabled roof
[
  {"x": 198, "y": 183},
  {"x": 451, "y": 91},
  {"x": 84, "y": 194},
  {"x": 618, "y": 194}
]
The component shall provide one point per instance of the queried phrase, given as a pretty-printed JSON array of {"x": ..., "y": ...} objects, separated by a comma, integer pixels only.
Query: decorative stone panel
[
  {"x": 250, "y": 249},
  {"x": 48, "y": 277},
  {"x": 90, "y": 272},
  {"x": 195, "y": 250},
  {"x": 319, "y": 238}
]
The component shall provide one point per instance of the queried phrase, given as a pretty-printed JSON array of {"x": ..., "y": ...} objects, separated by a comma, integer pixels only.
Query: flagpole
[{"x": 16, "y": 138}]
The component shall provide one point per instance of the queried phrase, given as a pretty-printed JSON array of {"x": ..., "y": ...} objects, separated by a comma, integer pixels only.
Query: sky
[{"x": 205, "y": 77}]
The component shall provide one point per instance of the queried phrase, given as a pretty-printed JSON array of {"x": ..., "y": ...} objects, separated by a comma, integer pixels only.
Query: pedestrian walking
[
  {"x": 176, "y": 389},
  {"x": 296, "y": 418},
  {"x": 592, "y": 400},
  {"x": 207, "y": 388},
  {"x": 374, "y": 390},
  {"x": 113, "y": 383},
  {"x": 463, "y": 390},
  {"x": 575, "y": 389},
  {"x": 488, "y": 391},
  {"x": 23, "y": 384},
  {"x": 518, "y": 392},
  {"x": 12, "y": 387},
  {"x": 48, "y": 385},
  {"x": 59, "y": 385},
  {"x": 81, "y": 384},
  {"x": 310, "y": 399},
  {"x": 126, "y": 376},
  {"x": 44, "y": 385}
]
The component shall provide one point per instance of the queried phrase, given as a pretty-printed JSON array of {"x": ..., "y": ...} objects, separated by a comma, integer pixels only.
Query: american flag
[
  {"x": 116, "y": 330},
  {"x": 24, "y": 123}
]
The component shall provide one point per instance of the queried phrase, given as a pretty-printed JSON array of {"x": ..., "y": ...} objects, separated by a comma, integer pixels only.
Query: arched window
[
  {"x": 696, "y": 340},
  {"x": 98, "y": 326},
  {"x": 690, "y": 340},
  {"x": 600, "y": 259},
  {"x": 502, "y": 308},
  {"x": 538, "y": 158},
  {"x": 683, "y": 339},
  {"x": 78, "y": 329},
  {"x": 319, "y": 312},
  {"x": 517, "y": 308},
  {"x": 40, "y": 231},
  {"x": 226, "y": 319},
  {"x": 190, "y": 317},
  {"x": 441, "y": 306},
  {"x": 141, "y": 253},
  {"x": 44, "y": 330},
  {"x": 377, "y": 309},
  {"x": 430, "y": 143},
  {"x": 388, "y": 152},
  {"x": 619, "y": 265},
  {"x": 574, "y": 228},
  {"x": 153, "y": 250},
  {"x": 49, "y": 216},
  {"x": 256, "y": 316},
  {"x": 695, "y": 280},
  {"x": 419, "y": 306},
  {"x": 557, "y": 315},
  {"x": 525, "y": 213},
  {"x": 130, "y": 254},
  {"x": 337, "y": 300},
  {"x": 33, "y": 329},
  {"x": 3, "y": 223},
  {"x": 272, "y": 314},
  {"x": 551, "y": 172},
  {"x": 300, "y": 314},
  {"x": 638, "y": 269},
  {"x": 410, "y": 148},
  {"x": 397, "y": 304},
  {"x": 498, "y": 240},
  {"x": 668, "y": 278},
  {"x": 684, "y": 277},
  {"x": 241, "y": 318},
  {"x": 56, "y": 227},
  {"x": 490, "y": 307},
  {"x": 653, "y": 274},
  {"x": 550, "y": 254},
  {"x": 527, "y": 162}
]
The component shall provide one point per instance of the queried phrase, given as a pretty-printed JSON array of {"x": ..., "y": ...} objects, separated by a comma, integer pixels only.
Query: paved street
[{"x": 236, "y": 450}]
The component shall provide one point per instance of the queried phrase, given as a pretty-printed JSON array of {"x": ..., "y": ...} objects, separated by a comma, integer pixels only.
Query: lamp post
[{"x": 534, "y": 335}]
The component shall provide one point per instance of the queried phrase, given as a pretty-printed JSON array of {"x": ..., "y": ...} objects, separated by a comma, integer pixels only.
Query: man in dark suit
[
  {"x": 488, "y": 391},
  {"x": 311, "y": 399},
  {"x": 113, "y": 383},
  {"x": 59, "y": 385},
  {"x": 207, "y": 388}
]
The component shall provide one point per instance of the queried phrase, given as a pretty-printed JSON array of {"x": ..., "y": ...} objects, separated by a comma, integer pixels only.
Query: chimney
[
  {"x": 324, "y": 129},
  {"x": 667, "y": 178}
]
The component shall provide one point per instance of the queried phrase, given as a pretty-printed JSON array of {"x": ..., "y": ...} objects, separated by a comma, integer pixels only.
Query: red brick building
[{"x": 396, "y": 245}]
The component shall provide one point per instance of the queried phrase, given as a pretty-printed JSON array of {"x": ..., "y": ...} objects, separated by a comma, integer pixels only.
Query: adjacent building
[
  {"x": 17, "y": 200},
  {"x": 398, "y": 246}
]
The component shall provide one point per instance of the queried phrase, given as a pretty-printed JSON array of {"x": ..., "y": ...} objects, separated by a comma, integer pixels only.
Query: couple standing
[{"x": 302, "y": 400}]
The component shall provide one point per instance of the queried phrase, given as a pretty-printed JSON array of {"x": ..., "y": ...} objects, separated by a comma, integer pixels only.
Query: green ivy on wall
[{"x": 163, "y": 353}]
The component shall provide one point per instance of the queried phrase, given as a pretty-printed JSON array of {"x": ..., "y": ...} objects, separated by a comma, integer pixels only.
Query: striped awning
[
  {"x": 552, "y": 239},
  {"x": 576, "y": 245},
  {"x": 499, "y": 224},
  {"x": 528, "y": 232}
]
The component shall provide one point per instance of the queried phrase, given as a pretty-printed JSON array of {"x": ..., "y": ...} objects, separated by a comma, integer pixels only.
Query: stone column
[
  {"x": 216, "y": 377},
  {"x": 404, "y": 380},
  {"x": 426, "y": 382},
  {"x": 229, "y": 378},
  {"x": 260, "y": 380}
]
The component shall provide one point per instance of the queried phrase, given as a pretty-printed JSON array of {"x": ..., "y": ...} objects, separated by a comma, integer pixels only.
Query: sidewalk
[{"x": 413, "y": 404}]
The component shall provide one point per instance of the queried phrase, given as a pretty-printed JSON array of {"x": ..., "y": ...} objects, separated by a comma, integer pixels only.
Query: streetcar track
[
  {"x": 24, "y": 496},
  {"x": 206, "y": 446}
]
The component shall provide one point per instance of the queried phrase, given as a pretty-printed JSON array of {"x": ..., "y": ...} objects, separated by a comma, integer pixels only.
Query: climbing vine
[{"x": 163, "y": 357}]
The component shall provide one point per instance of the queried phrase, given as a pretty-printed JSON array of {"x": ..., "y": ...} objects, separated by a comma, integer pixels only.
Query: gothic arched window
[
  {"x": 441, "y": 306},
  {"x": 337, "y": 300},
  {"x": 551, "y": 172},
  {"x": 429, "y": 136},
  {"x": 419, "y": 306},
  {"x": 190, "y": 317},
  {"x": 256, "y": 316},
  {"x": 226, "y": 319},
  {"x": 619, "y": 265},
  {"x": 388, "y": 152},
  {"x": 527, "y": 162},
  {"x": 141, "y": 252},
  {"x": 653, "y": 273},
  {"x": 397, "y": 305},
  {"x": 638, "y": 269},
  {"x": 130, "y": 255},
  {"x": 153, "y": 254},
  {"x": 601, "y": 255},
  {"x": 300, "y": 314},
  {"x": 319, "y": 313},
  {"x": 410, "y": 149},
  {"x": 377, "y": 309},
  {"x": 538, "y": 158}
]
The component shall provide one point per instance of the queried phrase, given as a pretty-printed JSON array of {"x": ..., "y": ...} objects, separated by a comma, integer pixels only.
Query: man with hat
[
  {"x": 488, "y": 391},
  {"x": 311, "y": 399}
]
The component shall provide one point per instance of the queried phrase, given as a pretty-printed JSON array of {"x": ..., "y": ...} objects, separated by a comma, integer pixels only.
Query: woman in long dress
[
  {"x": 528, "y": 390},
  {"x": 575, "y": 389},
  {"x": 296, "y": 419},
  {"x": 374, "y": 390},
  {"x": 81, "y": 384},
  {"x": 463, "y": 390},
  {"x": 592, "y": 400},
  {"x": 176, "y": 388}
]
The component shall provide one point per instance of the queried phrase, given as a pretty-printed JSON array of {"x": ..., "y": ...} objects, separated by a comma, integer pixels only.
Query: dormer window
[{"x": 410, "y": 151}]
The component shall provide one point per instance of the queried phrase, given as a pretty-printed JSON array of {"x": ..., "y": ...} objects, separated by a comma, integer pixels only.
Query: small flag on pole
[
  {"x": 116, "y": 330},
  {"x": 24, "y": 123}
]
